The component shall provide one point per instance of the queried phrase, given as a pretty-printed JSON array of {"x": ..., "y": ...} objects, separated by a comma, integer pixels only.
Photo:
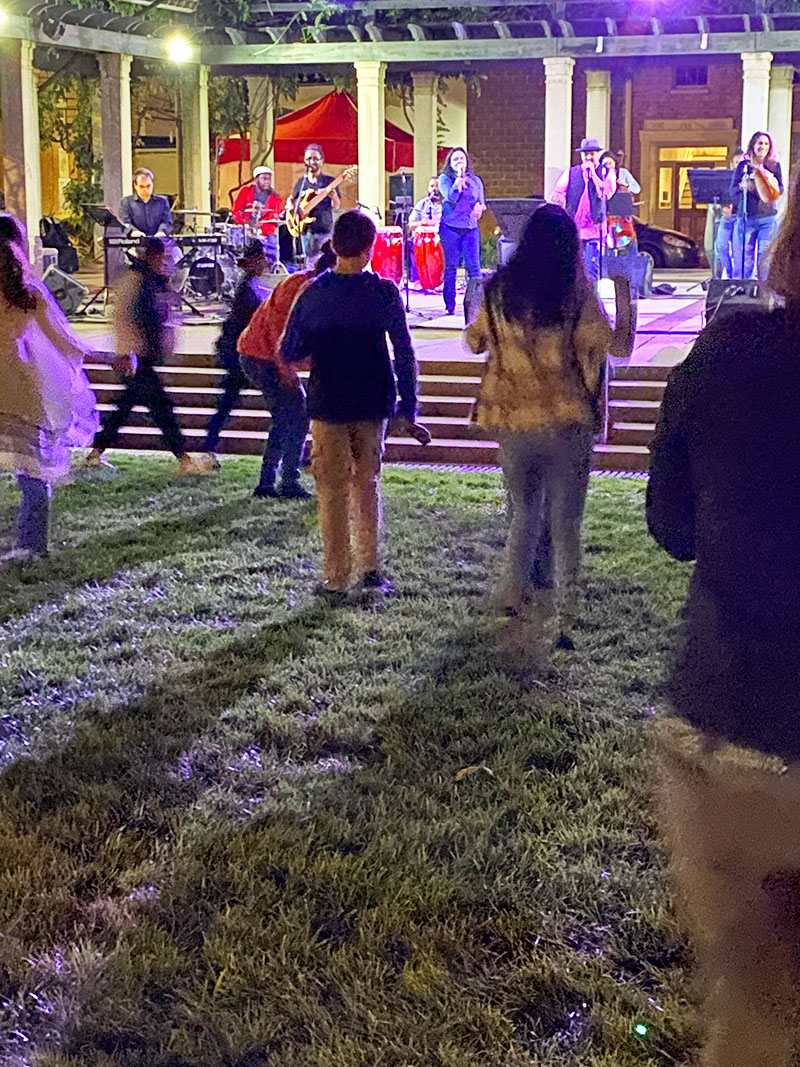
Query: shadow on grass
[{"x": 97, "y": 559}]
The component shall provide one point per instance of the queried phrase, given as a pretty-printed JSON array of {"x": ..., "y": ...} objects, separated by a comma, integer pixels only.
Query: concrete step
[
  {"x": 636, "y": 389},
  {"x": 634, "y": 410},
  {"x": 631, "y": 433},
  {"x": 643, "y": 373}
]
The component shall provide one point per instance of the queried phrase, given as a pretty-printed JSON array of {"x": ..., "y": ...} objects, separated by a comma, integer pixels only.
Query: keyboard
[{"x": 188, "y": 240}]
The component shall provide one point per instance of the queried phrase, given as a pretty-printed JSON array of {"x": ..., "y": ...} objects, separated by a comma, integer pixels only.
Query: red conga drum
[
  {"x": 428, "y": 256},
  {"x": 387, "y": 253}
]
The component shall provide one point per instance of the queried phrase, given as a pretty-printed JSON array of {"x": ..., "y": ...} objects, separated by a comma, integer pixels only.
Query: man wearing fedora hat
[
  {"x": 581, "y": 191},
  {"x": 258, "y": 206}
]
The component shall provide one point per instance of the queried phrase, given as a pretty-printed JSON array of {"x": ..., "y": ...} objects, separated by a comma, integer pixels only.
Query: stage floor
[{"x": 666, "y": 325}]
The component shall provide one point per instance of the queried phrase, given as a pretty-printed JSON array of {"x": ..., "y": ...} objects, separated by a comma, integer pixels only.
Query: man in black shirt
[
  {"x": 249, "y": 295},
  {"x": 319, "y": 231},
  {"x": 144, "y": 214}
]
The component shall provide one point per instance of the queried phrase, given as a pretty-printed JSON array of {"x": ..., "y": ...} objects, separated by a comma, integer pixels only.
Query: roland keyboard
[{"x": 187, "y": 240}]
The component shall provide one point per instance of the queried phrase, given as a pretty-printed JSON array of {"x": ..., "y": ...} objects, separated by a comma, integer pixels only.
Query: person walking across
[
  {"x": 46, "y": 404},
  {"x": 262, "y": 361},
  {"x": 249, "y": 295},
  {"x": 547, "y": 340},
  {"x": 143, "y": 340},
  {"x": 340, "y": 324}
]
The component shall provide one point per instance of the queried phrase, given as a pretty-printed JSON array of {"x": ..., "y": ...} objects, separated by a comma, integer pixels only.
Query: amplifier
[
  {"x": 725, "y": 296},
  {"x": 637, "y": 269}
]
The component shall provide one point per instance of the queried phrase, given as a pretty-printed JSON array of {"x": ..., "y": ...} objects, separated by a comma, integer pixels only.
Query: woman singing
[
  {"x": 757, "y": 185},
  {"x": 463, "y": 203}
]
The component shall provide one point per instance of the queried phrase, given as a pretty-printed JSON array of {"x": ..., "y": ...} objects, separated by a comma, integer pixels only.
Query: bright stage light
[
  {"x": 3, "y": 17},
  {"x": 179, "y": 48}
]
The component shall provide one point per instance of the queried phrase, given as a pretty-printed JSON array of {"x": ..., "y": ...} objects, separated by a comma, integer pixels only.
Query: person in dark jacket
[
  {"x": 143, "y": 340},
  {"x": 249, "y": 295},
  {"x": 340, "y": 323},
  {"x": 724, "y": 491}
]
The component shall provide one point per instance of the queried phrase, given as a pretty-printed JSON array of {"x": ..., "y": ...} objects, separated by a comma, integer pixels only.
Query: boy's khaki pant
[
  {"x": 732, "y": 820},
  {"x": 346, "y": 464}
]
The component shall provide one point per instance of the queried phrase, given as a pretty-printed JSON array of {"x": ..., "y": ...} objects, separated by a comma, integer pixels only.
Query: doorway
[{"x": 674, "y": 193}]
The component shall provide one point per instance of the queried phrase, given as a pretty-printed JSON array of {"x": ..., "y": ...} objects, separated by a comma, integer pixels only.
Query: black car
[{"x": 666, "y": 248}]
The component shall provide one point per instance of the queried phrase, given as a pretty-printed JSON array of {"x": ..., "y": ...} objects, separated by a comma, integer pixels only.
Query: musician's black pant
[
  {"x": 232, "y": 385},
  {"x": 143, "y": 388}
]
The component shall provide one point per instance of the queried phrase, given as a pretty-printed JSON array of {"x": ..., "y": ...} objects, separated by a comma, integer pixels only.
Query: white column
[
  {"x": 755, "y": 93},
  {"x": 22, "y": 175},
  {"x": 425, "y": 161},
  {"x": 371, "y": 82},
  {"x": 557, "y": 118},
  {"x": 195, "y": 146},
  {"x": 262, "y": 122},
  {"x": 780, "y": 117},
  {"x": 598, "y": 106},
  {"x": 115, "y": 107}
]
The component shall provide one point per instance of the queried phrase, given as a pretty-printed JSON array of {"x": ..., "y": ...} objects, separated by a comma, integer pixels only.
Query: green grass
[{"x": 233, "y": 829}]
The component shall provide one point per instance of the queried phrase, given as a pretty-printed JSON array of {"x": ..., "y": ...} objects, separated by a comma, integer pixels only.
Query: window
[
  {"x": 690, "y": 77},
  {"x": 665, "y": 187}
]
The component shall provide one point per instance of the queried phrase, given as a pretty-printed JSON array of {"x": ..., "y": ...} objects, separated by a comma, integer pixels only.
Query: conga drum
[
  {"x": 428, "y": 256},
  {"x": 387, "y": 253}
]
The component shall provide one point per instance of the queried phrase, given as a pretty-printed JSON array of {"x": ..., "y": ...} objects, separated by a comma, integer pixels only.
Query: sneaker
[
  {"x": 95, "y": 460},
  {"x": 264, "y": 491},
  {"x": 294, "y": 491},
  {"x": 377, "y": 581},
  {"x": 211, "y": 461},
  {"x": 20, "y": 556}
]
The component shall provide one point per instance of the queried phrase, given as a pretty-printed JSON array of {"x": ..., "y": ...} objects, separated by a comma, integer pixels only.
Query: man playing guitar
[
  {"x": 321, "y": 226},
  {"x": 258, "y": 206}
]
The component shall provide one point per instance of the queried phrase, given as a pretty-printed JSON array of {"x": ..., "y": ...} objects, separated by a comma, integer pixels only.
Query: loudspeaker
[
  {"x": 637, "y": 269},
  {"x": 513, "y": 212},
  {"x": 726, "y": 295},
  {"x": 69, "y": 294}
]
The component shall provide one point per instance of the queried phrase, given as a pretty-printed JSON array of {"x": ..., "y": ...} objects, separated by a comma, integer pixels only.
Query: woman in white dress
[{"x": 46, "y": 404}]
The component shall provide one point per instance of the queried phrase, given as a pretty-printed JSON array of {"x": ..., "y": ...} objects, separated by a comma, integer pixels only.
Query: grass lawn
[{"x": 239, "y": 827}]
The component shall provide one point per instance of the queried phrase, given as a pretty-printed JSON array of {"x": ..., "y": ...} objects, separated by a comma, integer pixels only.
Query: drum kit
[{"x": 209, "y": 268}]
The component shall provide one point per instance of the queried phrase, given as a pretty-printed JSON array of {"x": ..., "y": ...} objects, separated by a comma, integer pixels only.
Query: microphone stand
[
  {"x": 403, "y": 203},
  {"x": 746, "y": 174}
]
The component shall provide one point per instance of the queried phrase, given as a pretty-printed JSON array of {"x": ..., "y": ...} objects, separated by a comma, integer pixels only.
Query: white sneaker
[{"x": 20, "y": 555}]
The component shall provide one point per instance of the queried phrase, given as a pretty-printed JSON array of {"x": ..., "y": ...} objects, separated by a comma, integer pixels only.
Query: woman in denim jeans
[
  {"x": 463, "y": 203},
  {"x": 757, "y": 186},
  {"x": 547, "y": 340}
]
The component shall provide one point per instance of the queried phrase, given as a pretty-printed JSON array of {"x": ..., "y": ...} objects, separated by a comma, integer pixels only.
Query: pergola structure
[{"x": 356, "y": 40}]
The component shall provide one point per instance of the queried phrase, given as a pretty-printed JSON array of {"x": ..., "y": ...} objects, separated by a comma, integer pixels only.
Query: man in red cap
[{"x": 258, "y": 206}]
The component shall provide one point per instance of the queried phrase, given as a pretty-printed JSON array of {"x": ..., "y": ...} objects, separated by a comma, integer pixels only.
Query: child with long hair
[
  {"x": 547, "y": 340},
  {"x": 46, "y": 405}
]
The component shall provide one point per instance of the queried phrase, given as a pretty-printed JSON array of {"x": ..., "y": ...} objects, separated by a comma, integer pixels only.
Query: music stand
[
  {"x": 711, "y": 187},
  {"x": 105, "y": 217}
]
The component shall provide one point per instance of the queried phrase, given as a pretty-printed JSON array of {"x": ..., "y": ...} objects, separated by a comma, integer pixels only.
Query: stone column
[
  {"x": 598, "y": 106},
  {"x": 780, "y": 117},
  {"x": 22, "y": 175},
  {"x": 371, "y": 82},
  {"x": 425, "y": 113},
  {"x": 262, "y": 122},
  {"x": 195, "y": 143},
  {"x": 558, "y": 144},
  {"x": 755, "y": 93},
  {"x": 117, "y": 143}
]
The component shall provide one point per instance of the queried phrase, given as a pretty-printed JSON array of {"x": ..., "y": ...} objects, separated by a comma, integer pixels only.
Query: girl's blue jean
[
  {"x": 757, "y": 236},
  {"x": 33, "y": 516},
  {"x": 457, "y": 245}
]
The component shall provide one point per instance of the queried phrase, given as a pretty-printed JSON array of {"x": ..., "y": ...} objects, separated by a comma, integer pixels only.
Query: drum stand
[{"x": 402, "y": 209}]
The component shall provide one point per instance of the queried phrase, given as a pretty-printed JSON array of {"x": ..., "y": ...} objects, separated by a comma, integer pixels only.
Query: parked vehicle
[{"x": 666, "y": 248}]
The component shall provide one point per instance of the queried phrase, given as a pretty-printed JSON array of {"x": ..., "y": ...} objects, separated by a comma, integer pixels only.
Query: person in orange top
[
  {"x": 258, "y": 205},
  {"x": 260, "y": 358}
]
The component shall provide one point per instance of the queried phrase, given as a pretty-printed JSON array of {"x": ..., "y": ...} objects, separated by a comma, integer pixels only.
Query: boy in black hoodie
[{"x": 340, "y": 323}]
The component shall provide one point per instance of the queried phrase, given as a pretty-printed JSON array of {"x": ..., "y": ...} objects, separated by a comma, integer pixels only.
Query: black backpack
[{"x": 54, "y": 236}]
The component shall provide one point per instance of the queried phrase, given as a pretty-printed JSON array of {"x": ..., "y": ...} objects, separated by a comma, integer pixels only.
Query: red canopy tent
[{"x": 331, "y": 122}]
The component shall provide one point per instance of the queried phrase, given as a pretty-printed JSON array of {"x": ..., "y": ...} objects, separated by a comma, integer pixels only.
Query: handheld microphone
[{"x": 403, "y": 175}]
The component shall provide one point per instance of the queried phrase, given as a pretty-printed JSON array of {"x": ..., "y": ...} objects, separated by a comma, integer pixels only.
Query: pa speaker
[
  {"x": 69, "y": 294},
  {"x": 724, "y": 296},
  {"x": 637, "y": 269}
]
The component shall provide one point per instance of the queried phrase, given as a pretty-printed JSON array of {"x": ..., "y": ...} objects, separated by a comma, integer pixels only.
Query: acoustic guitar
[{"x": 297, "y": 218}]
